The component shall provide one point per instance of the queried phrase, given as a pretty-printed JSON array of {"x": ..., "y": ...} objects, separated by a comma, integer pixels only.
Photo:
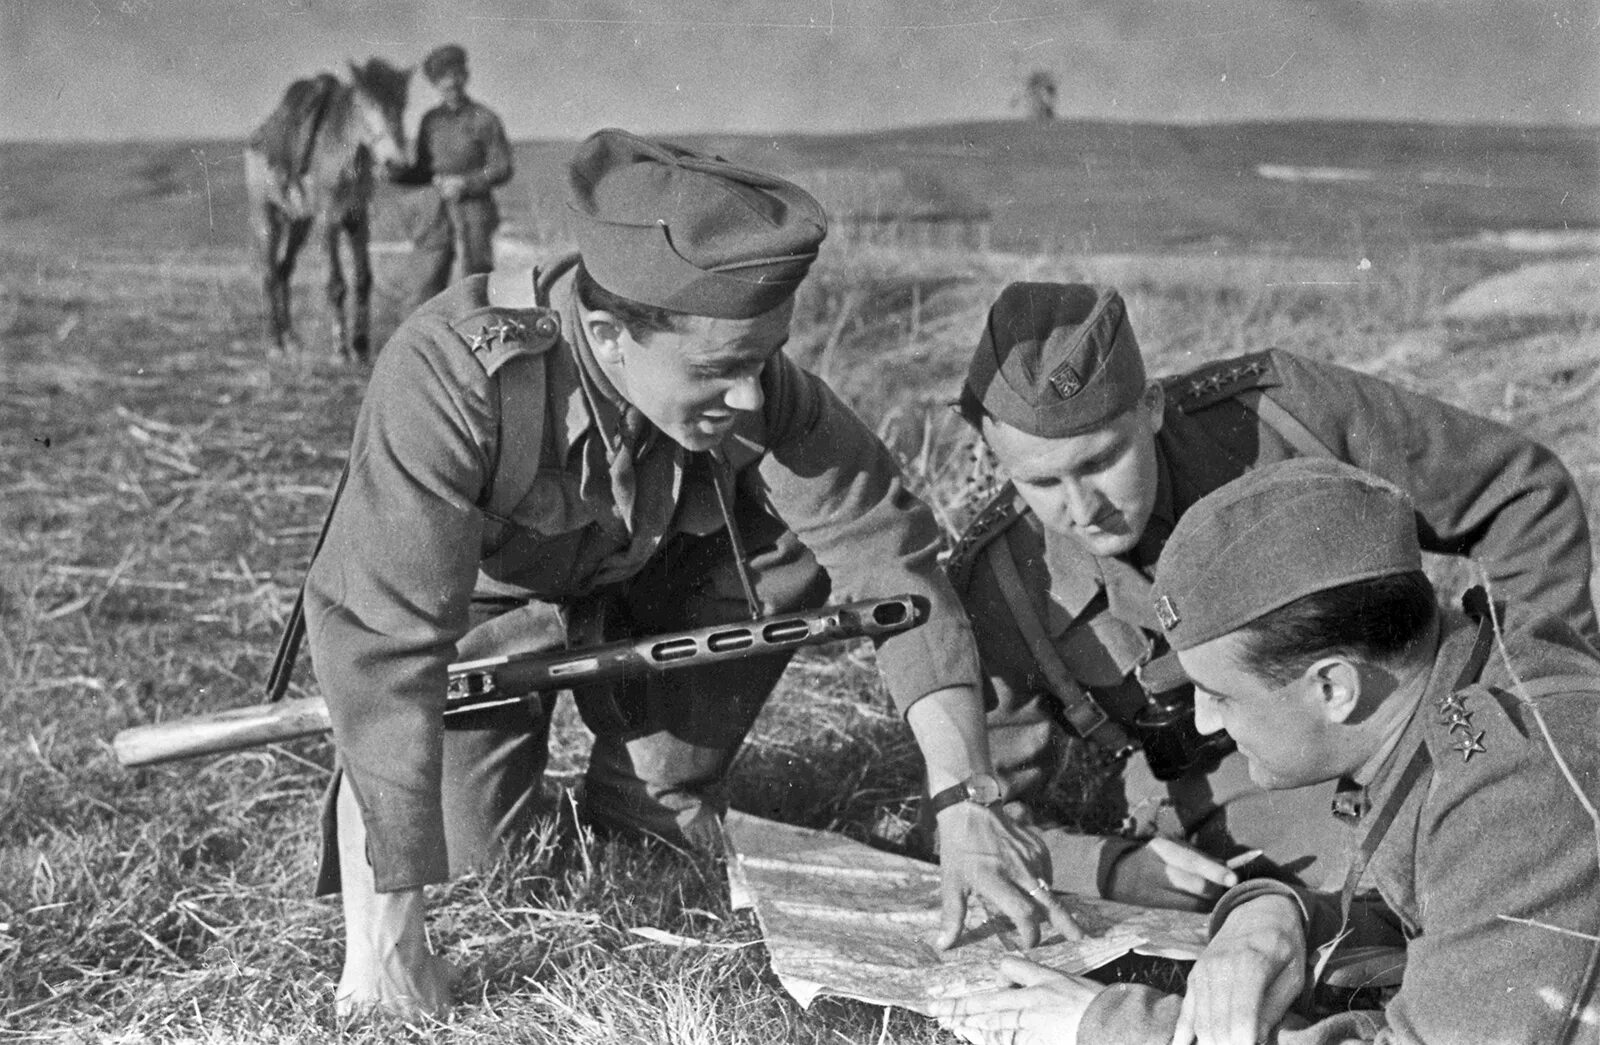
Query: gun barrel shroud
[{"x": 478, "y": 684}]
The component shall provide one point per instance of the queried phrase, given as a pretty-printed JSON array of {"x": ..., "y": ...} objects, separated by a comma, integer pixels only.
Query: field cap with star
[
  {"x": 663, "y": 225},
  {"x": 1276, "y": 534},
  {"x": 1055, "y": 360}
]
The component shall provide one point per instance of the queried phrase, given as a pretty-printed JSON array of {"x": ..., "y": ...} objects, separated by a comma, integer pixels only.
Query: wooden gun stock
[{"x": 503, "y": 680}]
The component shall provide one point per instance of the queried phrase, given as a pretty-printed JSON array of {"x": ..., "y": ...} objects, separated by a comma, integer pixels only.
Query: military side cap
[
  {"x": 1055, "y": 359},
  {"x": 444, "y": 58},
  {"x": 1277, "y": 534},
  {"x": 663, "y": 225}
]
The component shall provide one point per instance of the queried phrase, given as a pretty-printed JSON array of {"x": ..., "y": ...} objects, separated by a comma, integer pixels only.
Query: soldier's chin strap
[
  {"x": 722, "y": 480},
  {"x": 1476, "y": 603}
]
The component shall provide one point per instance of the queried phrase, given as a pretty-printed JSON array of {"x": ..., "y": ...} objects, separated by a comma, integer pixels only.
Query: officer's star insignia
[
  {"x": 481, "y": 340},
  {"x": 1469, "y": 745},
  {"x": 1459, "y": 722},
  {"x": 508, "y": 330},
  {"x": 1452, "y": 703},
  {"x": 1197, "y": 388},
  {"x": 1255, "y": 368}
]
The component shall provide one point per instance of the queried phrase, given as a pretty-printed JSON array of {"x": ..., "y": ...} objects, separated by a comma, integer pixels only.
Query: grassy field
[{"x": 161, "y": 480}]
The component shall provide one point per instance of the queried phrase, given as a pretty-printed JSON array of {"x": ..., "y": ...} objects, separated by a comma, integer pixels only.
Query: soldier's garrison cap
[
  {"x": 1276, "y": 534},
  {"x": 663, "y": 225},
  {"x": 1055, "y": 360},
  {"x": 444, "y": 58}
]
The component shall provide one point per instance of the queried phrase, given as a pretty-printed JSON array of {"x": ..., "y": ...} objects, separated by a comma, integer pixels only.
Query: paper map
[{"x": 844, "y": 919}]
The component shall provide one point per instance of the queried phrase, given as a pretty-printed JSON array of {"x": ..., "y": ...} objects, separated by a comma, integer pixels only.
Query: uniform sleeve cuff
[
  {"x": 1244, "y": 892},
  {"x": 1082, "y": 863},
  {"x": 1129, "y": 1014}
]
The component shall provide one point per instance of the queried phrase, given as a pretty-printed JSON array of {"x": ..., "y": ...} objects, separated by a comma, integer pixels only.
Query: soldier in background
[
  {"x": 1468, "y": 764},
  {"x": 1055, "y": 573},
  {"x": 526, "y": 477},
  {"x": 463, "y": 153}
]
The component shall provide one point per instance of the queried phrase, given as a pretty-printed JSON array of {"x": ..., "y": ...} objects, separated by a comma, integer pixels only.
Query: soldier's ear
[
  {"x": 1336, "y": 682},
  {"x": 1154, "y": 403},
  {"x": 605, "y": 333}
]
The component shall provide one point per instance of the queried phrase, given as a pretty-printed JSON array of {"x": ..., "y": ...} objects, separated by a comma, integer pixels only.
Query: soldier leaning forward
[
  {"x": 524, "y": 477},
  {"x": 1056, "y": 572}
]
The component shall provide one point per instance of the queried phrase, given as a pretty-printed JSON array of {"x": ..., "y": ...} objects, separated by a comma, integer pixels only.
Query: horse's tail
[{"x": 286, "y": 137}]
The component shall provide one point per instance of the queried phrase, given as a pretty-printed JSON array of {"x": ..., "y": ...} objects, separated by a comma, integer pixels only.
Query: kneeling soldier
[{"x": 522, "y": 477}]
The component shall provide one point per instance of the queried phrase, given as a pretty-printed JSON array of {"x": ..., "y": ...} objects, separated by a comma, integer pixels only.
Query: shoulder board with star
[
  {"x": 1224, "y": 379},
  {"x": 1002, "y": 510},
  {"x": 498, "y": 335}
]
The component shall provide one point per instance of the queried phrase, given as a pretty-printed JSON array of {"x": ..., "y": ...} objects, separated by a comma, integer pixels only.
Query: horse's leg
[
  {"x": 268, "y": 225},
  {"x": 291, "y": 237},
  {"x": 332, "y": 229},
  {"x": 358, "y": 232}
]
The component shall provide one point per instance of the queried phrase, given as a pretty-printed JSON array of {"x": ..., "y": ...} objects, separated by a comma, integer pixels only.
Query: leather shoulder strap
[
  {"x": 991, "y": 522},
  {"x": 1088, "y": 719},
  {"x": 1288, "y": 426}
]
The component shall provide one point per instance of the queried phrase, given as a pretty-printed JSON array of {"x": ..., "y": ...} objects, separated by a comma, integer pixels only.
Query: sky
[{"x": 141, "y": 69}]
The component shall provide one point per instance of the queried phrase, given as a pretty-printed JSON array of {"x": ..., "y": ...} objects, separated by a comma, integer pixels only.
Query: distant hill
[{"x": 1081, "y": 187}]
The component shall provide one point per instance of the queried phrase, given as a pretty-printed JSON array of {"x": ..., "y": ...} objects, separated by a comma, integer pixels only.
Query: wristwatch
[{"x": 980, "y": 789}]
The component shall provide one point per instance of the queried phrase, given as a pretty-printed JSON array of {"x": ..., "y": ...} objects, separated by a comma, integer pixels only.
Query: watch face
[{"x": 983, "y": 789}]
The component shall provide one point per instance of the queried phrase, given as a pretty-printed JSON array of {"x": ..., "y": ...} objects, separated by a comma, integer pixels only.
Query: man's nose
[
  {"x": 1206, "y": 719},
  {"x": 1081, "y": 503},
  {"x": 745, "y": 394}
]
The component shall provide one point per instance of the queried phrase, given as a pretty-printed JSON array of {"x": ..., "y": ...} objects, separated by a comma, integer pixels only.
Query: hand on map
[
  {"x": 1042, "y": 1007},
  {"x": 1248, "y": 976},
  {"x": 1166, "y": 873},
  {"x": 983, "y": 853}
]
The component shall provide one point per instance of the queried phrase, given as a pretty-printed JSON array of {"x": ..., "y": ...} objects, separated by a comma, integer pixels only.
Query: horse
[{"x": 310, "y": 161}]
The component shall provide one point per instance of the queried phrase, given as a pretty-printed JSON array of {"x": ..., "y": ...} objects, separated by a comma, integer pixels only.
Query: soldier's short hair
[
  {"x": 637, "y": 319},
  {"x": 442, "y": 59},
  {"x": 1375, "y": 620}
]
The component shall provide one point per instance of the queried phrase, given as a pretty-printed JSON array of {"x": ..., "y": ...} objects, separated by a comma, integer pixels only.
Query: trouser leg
[
  {"x": 493, "y": 760},
  {"x": 432, "y": 253},
  {"x": 664, "y": 743}
]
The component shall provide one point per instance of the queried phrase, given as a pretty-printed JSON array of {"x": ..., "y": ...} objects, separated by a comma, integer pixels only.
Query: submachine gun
[{"x": 495, "y": 681}]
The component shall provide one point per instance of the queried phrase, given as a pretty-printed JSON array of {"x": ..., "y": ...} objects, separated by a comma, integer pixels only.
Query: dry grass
[{"x": 161, "y": 480}]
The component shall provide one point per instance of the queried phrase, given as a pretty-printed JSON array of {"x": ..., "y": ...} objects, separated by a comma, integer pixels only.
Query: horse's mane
[
  {"x": 387, "y": 84},
  {"x": 285, "y": 136}
]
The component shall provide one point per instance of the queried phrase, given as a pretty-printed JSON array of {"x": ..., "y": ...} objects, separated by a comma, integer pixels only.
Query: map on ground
[{"x": 843, "y": 919}]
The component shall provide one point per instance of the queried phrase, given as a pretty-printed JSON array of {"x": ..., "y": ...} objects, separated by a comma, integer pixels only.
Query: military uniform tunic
[
  {"x": 614, "y": 517},
  {"x": 1480, "y": 489},
  {"x": 1489, "y": 864},
  {"x": 468, "y": 142}
]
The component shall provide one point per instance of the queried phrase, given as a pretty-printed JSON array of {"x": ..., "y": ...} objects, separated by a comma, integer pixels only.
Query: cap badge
[
  {"x": 1167, "y": 613},
  {"x": 1066, "y": 382}
]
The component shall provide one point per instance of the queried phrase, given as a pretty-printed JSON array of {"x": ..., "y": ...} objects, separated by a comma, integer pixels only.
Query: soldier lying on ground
[
  {"x": 1467, "y": 760},
  {"x": 1055, "y": 574},
  {"x": 522, "y": 477}
]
